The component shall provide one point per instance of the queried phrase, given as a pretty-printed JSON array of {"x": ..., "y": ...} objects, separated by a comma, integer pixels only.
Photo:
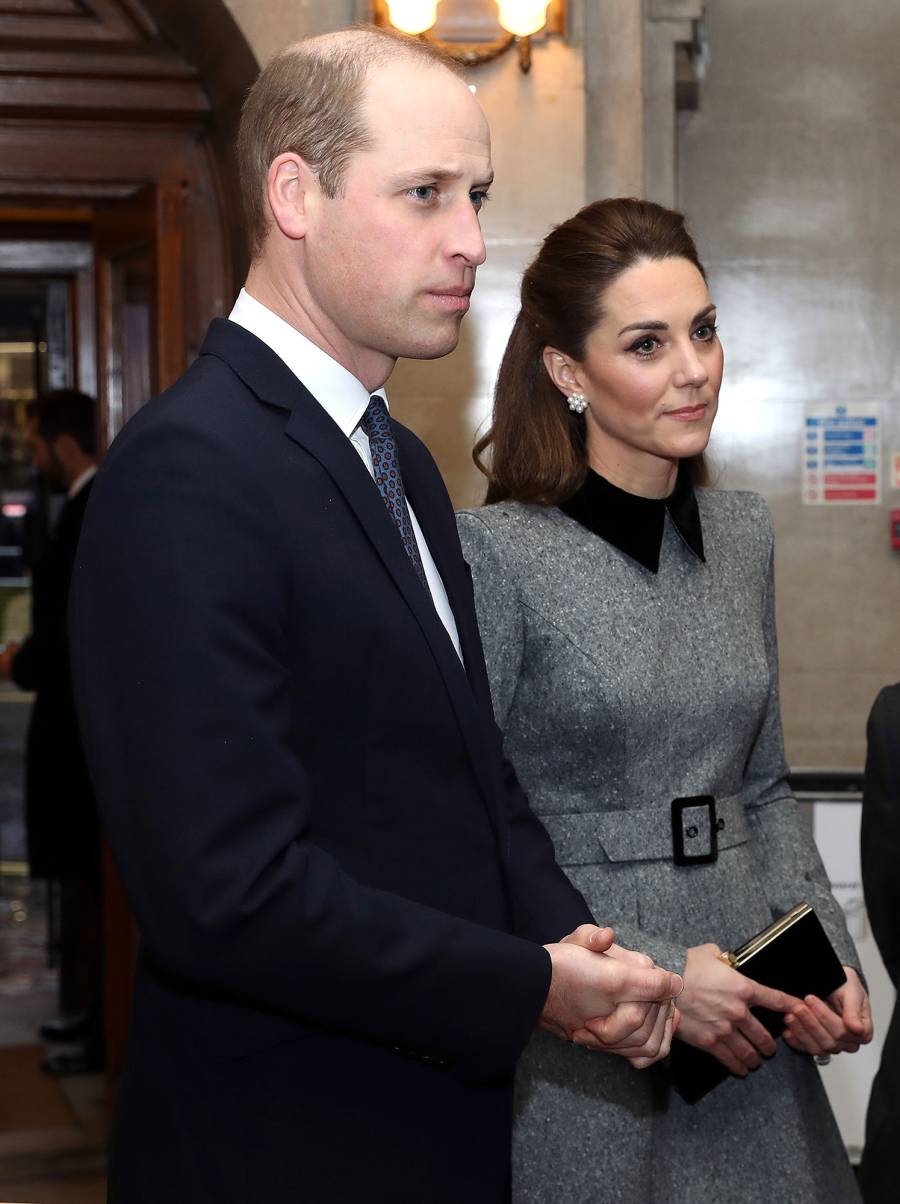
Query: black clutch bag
[{"x": 792, "y": 955}]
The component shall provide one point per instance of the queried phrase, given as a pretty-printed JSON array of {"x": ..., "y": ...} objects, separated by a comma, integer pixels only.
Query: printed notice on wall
[{"x": 842, "y": 453}]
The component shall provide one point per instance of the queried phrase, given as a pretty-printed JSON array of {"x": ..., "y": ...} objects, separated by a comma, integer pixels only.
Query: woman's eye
[
  {"x": 646, "y": 346},
  {"x": 706, "y": 332}
]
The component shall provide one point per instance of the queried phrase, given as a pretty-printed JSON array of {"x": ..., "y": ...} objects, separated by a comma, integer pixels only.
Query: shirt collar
[
  {"x": 635, "y": 524},
  {"x": 338, "y": 392},
  {"x": 79, "y": 483}
]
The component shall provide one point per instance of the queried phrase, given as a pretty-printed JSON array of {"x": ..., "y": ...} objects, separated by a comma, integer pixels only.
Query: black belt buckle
[{"x": 681, "y": 855}]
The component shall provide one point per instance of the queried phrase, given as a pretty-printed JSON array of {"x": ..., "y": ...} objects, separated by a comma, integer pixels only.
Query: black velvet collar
[{"x": 635, "y": 524}]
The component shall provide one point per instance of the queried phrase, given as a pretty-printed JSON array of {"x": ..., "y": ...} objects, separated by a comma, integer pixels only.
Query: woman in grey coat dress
[{"x": 628, "y": 621}]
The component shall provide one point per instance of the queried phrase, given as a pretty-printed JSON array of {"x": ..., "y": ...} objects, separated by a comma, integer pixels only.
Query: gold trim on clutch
[{"x": 758, "y": 942}]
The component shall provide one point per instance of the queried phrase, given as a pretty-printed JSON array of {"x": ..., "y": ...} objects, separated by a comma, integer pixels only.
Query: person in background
[
  {"x": 879, "y": 1171},
  {"x": 61, "y": 813},
  {"x": 350, "y": 920},
  {"x": 628, "y": 620}
]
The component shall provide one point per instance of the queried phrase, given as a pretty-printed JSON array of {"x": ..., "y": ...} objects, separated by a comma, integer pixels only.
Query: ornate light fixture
[
  {"x": 474, "y": 33},
  {"x": 412, "y": 16}
]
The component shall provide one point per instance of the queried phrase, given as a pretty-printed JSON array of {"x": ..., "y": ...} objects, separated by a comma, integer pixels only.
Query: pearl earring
[{"x": 577, "y": 403}]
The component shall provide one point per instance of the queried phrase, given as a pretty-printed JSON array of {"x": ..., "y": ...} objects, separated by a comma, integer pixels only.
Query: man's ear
[
  {"x": 288, "y": 182},
  {"x": 563, "y": 371}
]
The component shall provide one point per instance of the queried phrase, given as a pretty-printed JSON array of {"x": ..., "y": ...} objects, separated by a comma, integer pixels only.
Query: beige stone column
[
  {"x": 630, "y": 94},
  {"x": 614, "y": 70},
  {"x": 668, "y": 24}
]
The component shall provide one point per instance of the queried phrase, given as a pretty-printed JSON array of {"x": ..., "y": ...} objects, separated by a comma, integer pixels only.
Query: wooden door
[
  {"x": 138, "y": 250},
  {"x": 141, "y": 350}
]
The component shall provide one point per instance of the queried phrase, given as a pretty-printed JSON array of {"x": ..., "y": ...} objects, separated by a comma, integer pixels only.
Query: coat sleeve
[
  {"x": 546, "y": 904},
  {"x": 180, "y": 613},
  {"x": 880, "y": 844},
  {"x": 787, "y": 860}
]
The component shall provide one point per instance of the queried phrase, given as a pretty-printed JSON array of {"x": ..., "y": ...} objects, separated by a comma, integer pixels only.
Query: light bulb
[
  {"x": 412, "y": 16},
  {"x": 523, "y": 17}
]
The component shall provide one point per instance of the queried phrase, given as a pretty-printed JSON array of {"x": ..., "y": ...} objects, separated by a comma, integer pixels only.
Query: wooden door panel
[
  {"x": 138, "y": 253},
  {"x": 140, "y": 323}
]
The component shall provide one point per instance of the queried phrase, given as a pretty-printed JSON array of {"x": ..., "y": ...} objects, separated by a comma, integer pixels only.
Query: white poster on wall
[
  {"x": 848, "y": 1079},
  {"x": 841, "y": 453}
]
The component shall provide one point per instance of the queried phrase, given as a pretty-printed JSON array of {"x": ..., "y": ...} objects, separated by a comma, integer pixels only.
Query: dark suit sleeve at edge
[
  {"x": 880, "y": 837},
  {"x": 178, "y": 619}
]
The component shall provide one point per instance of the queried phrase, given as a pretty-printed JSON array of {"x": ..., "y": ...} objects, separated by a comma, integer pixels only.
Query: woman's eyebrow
[{"x": 657, "y": 325}]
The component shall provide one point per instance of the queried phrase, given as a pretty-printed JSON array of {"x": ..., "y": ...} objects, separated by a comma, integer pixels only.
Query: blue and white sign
[{"x": 842, "y": 453}]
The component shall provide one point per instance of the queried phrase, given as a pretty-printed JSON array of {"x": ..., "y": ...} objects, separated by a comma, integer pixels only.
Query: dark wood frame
[
  {"x": 103, "y": 104},
  {"x": 99, "y": 98},
  {"x": 66, "y": 256}
]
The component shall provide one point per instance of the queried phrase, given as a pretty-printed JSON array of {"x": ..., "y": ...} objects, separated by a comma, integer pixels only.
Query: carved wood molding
[
  {"x": 76, "y": 59},
  {"x": 83, "y": 20}
]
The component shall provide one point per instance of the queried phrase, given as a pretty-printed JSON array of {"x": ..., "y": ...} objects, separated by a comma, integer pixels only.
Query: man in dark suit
[
  {"x": 879, "y": 1172},
  {"x": 341, "y": 892},
  {"x": 61, "y": 815}
]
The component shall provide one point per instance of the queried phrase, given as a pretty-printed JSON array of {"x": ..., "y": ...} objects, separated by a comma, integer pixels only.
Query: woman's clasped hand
[
  {"x": 716, "y": 1014},
  {"x": 839, "y": 1024}
]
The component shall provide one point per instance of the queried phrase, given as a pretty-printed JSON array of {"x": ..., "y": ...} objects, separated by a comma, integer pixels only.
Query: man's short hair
[
  {"x": 307, "y": 100},
  {"x": 66, "y": 412}
]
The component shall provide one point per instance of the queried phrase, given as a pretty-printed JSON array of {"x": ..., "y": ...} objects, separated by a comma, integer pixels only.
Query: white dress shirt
[
  {"x": 79, "y": 483},
  {"x": 344, "y": 399}
]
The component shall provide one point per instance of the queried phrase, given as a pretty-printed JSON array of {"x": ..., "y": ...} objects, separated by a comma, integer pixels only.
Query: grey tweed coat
[{"x": 618, "y": 690}]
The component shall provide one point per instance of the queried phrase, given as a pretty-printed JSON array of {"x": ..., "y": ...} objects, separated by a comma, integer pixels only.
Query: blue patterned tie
[{"x": 377, "y": 426}]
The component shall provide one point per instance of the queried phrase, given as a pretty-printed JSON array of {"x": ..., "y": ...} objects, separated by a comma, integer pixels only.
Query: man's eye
[
  {"x": 423, "y": 192},
  {"x": 479, "y": 197}
]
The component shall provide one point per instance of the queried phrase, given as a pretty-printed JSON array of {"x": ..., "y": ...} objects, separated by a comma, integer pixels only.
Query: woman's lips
[{"x": 688, "y": 413}]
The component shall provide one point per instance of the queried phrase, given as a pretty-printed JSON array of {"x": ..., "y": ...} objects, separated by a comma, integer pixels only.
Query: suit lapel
[
  {"x": 310, "y": 426},
  {"x": 427, "y": 495},
  {"x": 469, "y": 690}
]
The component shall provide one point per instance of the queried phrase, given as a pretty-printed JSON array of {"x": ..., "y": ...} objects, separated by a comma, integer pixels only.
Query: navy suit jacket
[
  {"x": 340, "y": 888},
  {"x": 880, "y": 850}
]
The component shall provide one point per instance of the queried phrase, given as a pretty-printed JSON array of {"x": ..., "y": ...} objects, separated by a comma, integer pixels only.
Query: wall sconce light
[{"x": 476, "y": 31}]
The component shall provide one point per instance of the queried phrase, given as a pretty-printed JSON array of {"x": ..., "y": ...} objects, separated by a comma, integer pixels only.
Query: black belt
[{"x": 688, "y": 831}]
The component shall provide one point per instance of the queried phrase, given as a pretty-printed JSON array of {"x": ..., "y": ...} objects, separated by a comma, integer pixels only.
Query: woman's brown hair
[{"x": 537, "y": 445}]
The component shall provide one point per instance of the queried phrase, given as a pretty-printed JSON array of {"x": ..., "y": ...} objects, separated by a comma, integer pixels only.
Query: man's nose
[{"x": 467, "y": 240}]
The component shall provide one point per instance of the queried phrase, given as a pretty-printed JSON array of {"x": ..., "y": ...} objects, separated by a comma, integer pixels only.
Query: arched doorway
[
  {"x": 110, "y": 134},
  {"x": 119, "y": 217}
]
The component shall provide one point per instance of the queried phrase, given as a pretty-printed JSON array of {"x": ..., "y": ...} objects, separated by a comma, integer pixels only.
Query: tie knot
[{"x": 375, "y": 422}]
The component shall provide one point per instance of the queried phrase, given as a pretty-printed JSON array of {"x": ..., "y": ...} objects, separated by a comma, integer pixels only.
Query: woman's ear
[{"x": 562, "y": 370}]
